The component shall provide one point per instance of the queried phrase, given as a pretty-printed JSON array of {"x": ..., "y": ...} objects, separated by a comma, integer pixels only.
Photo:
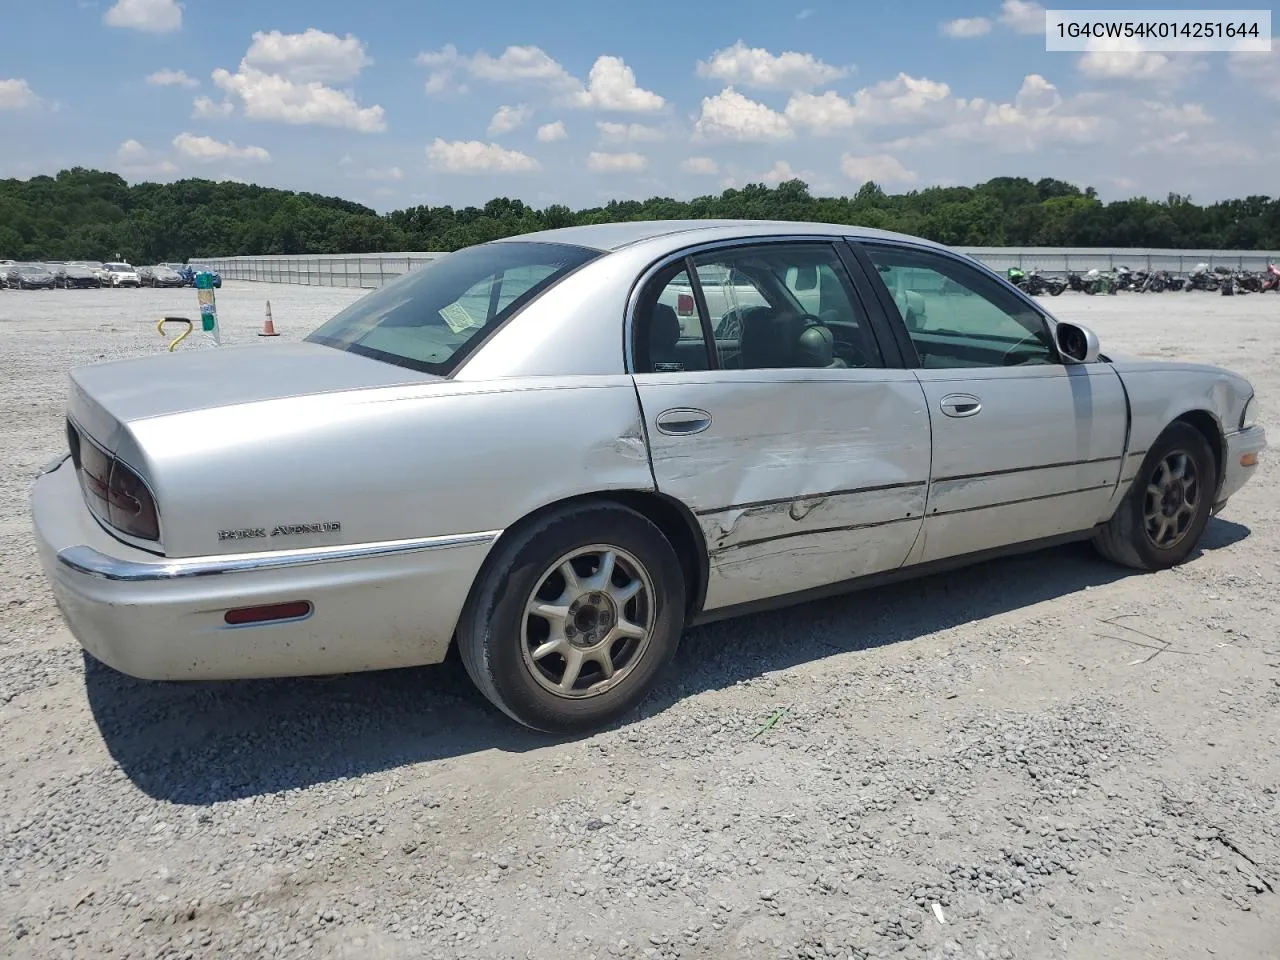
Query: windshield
[
  {"x": 428, "y": 319},
  {"x": 119, "y": 267},
  {"x": 34, "y": 268}
]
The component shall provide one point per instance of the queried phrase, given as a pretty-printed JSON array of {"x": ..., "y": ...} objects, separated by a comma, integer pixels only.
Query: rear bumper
[
  {"x": 1243, "y": 448},
  {"x": 374, "y": 606}
]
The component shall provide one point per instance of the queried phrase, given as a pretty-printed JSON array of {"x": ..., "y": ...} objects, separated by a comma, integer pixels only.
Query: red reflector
[{"x": 274, "y": 611}]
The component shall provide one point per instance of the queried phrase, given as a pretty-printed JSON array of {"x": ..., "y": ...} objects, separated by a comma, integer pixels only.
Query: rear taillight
[
  {"x": 113, "y": 491},
  {"x": 131, "y": 508}
]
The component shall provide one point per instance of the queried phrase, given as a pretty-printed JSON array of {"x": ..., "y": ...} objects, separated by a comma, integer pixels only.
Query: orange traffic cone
[{"x": 268, "y": 326}]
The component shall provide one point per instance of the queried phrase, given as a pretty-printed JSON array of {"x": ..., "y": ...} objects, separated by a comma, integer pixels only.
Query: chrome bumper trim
[{"x": 94, "y": 563}]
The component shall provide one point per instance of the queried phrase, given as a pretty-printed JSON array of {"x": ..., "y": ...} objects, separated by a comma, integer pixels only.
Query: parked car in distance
[
  {"x": 80, "y": 276},
  {"x": 162, "y": 276},
  {"x": 122, "y": 275},
  {"x": 519, "y": 450},
  {"x": 183, "y": 271},
  {"x": 31, "y": 276},
  {"x": 196, "y": 268}
]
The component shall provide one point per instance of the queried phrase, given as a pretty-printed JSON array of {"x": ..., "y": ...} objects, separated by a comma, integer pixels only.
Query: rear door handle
[
  {"x": 683, "y": 421},
  {"x": 960, "y": 405}
]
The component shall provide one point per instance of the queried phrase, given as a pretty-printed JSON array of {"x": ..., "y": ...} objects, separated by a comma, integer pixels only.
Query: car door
[
  {"x": 803, "y": 454},
  {"x": 1025, "y": 445}
]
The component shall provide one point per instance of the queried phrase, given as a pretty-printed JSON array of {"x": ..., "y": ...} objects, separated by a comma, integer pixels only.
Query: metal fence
[
  {"x": 371, "y": 270},
  {"x": 367, "y": 270}
]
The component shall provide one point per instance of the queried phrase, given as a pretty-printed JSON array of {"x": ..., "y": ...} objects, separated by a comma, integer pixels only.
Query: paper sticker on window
[{"x": 458, "y": 319}]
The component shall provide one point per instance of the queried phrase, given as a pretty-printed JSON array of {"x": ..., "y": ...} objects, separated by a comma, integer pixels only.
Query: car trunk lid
[{"x": 107, "y": 396}]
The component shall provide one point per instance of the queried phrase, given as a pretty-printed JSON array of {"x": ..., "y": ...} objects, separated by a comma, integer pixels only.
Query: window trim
[
  {"x": 860, "y": 247},
  {"x": 834, "y": 242}
]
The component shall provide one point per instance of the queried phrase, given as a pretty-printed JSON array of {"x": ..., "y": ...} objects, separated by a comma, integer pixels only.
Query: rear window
[{"x": 432, "y": 317}]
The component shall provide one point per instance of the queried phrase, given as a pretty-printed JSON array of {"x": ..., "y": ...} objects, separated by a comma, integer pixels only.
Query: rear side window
[{"x": 432, "y": 317}]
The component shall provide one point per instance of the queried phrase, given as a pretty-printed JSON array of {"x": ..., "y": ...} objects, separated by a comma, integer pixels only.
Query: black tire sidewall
[
  {"x": 514, "y": 575},
  {"x": 1183, "y": 437}
]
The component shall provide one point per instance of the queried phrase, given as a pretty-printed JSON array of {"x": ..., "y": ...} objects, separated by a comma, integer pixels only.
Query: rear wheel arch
[{"x": 676, "y": 522}]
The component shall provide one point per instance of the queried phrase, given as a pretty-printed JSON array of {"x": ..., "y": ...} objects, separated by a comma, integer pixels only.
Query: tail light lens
[{"x": 113, "y": 491}]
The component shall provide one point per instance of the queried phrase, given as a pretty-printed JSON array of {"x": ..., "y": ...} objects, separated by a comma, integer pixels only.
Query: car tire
[
  {"x": 499, "y": 635},
  {"x": 1128, "y": 538}
]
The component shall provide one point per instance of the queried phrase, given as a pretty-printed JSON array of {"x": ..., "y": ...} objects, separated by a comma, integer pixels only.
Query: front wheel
[
  {"x": 1161, "y": 519},
  {"x": 574, "y": 617}
]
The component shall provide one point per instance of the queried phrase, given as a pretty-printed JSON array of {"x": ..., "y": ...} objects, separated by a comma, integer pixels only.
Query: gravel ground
[{"x": 1029, "y": 758}]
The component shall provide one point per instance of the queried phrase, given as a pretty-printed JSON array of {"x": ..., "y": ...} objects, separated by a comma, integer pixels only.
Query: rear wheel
[
  {"x": 574, "y": 617},
  {"x": 1165, "y": 512}
]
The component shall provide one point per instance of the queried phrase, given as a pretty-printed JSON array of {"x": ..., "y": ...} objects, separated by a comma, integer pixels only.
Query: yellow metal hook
[{"x": 182, "y": 336}]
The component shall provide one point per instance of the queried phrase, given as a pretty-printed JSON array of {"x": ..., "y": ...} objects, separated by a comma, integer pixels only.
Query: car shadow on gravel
[{"x": 202, "y": 743}]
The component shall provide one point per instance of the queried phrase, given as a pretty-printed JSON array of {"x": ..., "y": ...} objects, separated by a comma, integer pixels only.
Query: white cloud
[
  {"x": 1258, "y": 69},
  {"x": 268, "y": 96},
  {"x": 149, "y": 16},
  {"x": 1118, "y": 59},
  {"x": 880, "y": 167},
  {"x": 172, "y": 78},
  {"x": 508, "y": 118},
  {"x": 1036, "y": 117},
  {"x": 628, "y": 132},
  {"x": 966, "y": 28},
  {"x": 207, "y": 149},
  {"x": 611, "y": 85},
  {"x": 731, "y": 116},
  {"x": 552, "y": 131},
  {"x": 700, "y": 165},
  {"x": 1187, "y": 148},
  {"x": 1022, "y": 16},
  {"x": 379, "y": 174},
  {"x": 1171, "y": 114},
  {"x": 131, "y": 151},
  {"x": 616, "y": 162},
  {"x": 757, "y": 67},
  {"x": 526, "y": 64},
  {"x": 779, "y": 172},
  {"x": 312, "y": 55},
  {"x": 904, "y": 99},
  {"x": 473, "y": 156},
  {"x": 203, "y": 108},
  {"x": 16, "y": 94},
  {"x": 136, "y": 160}
]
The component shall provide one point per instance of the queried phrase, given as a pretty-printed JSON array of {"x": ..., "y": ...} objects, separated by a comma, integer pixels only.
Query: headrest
[
  {"x": 816, "y": 347},
  {"x": 664, "y": 327}
]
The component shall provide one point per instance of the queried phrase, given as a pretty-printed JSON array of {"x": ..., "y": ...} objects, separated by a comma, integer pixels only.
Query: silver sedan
[{"x": 557, "y": 451}]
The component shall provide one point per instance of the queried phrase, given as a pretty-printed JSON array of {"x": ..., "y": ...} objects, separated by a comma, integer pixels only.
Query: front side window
[
  {"x": 784, "y": 305},
  {"x": 957, "y": 316},
  {"x": 429, "y": 318}
]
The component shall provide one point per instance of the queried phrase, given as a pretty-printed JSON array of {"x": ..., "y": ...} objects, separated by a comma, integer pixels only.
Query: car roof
[{"x": 615, "y": 236}]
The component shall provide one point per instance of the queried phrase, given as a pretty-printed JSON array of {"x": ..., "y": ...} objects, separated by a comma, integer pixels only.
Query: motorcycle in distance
[
  {"x": 1034, "y": 284},
  {"x": 1202, "y": 278},
  {"x": 1095, "y": 281}
]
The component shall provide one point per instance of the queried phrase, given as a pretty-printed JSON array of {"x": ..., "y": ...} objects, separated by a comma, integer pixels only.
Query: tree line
[{"x": 90, "y": 214}]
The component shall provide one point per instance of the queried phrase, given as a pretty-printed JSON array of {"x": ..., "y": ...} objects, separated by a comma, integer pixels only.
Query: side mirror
[{"x": 1077, "y": 343}]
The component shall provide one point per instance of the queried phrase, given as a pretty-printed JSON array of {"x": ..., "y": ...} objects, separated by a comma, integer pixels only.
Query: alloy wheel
[
  {"x": 1172, "y": 497},
  {"x": 589, "y": 621}
]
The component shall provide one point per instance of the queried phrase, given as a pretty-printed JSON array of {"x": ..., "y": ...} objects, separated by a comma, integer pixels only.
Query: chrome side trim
[{"x": 93, "y": 563}]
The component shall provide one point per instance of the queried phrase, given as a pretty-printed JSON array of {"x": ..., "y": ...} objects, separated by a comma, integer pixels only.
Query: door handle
[
  {"x": 960, "y": 405},
  {"x": 683, "y": 421}
]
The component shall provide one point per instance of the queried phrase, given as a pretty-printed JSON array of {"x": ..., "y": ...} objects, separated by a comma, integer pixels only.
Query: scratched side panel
[{"x": 803, "y": 478}]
